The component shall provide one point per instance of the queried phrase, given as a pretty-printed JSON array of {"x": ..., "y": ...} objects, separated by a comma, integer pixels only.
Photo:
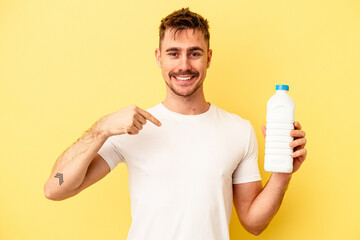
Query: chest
[{"x": 176, "y": 152}]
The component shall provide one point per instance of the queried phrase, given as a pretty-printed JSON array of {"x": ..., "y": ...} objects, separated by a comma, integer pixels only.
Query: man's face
[{"x": 184, "y": 59}]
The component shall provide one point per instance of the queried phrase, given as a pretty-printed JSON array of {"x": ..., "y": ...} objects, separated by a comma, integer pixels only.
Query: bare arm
[
  {"x": 71, "y": 167},
  {"x": 256, "y": 206},
  {"x": 80, "y": 166}
]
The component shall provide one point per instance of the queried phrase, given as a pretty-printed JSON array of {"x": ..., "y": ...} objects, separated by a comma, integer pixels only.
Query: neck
[{"x": 190, "y": 105}]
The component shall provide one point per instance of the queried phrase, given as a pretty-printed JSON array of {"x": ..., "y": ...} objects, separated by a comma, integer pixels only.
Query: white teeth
[{"x": 183, "y": 78}]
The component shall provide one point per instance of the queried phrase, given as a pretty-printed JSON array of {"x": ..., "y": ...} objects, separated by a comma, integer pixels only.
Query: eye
[
  {"x": 173, "y": 54},
  {"x": 195, "y": 54}
]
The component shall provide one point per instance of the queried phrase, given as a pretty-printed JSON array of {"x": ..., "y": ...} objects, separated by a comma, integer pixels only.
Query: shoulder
[{"x": 231, "y": 118}]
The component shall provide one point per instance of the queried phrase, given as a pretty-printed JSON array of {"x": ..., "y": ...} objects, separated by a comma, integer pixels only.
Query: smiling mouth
[
  {"x": 187, "y": 75},
  {"x": 183, "y": 78}
]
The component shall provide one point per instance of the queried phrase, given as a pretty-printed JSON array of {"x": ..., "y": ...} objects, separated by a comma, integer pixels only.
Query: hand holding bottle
[{"x": 300, "y": 152}]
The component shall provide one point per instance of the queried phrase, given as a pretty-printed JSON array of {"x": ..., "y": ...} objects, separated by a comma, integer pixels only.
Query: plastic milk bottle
[{"x": 279, "y": 122}]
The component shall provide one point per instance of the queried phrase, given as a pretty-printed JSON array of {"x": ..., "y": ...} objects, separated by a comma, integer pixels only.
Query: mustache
[{"x": 187, "y": 72}]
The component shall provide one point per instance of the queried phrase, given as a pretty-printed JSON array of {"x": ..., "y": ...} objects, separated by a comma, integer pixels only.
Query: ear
[
  {"x": 209, "y": 58},
  {"x": 158, "y": 57}
]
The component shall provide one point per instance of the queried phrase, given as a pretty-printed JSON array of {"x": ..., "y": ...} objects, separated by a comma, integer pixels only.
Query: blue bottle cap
[{"x": 282, "y": 87}]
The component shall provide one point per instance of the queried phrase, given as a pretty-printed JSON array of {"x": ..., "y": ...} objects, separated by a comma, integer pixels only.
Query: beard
[
  {"x": 188, "y": 94},
  {"x": 187, "y": 72}
]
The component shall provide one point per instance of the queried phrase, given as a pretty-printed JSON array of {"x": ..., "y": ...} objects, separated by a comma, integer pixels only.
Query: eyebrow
[
  {"x": 189, "y": 49},
  {"x": 195, "y": 49}
]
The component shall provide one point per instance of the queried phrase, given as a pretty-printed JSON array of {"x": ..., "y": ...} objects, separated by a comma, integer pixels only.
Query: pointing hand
[{"x": 127, "y": 120}]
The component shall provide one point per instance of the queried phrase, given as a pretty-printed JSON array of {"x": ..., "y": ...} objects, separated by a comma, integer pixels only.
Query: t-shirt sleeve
[
  {"x": 110, "y": 153},
  {"x": 248, "y": 169}
]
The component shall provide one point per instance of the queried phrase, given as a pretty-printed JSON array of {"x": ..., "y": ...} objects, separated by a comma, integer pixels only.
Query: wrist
[
  {"x": 282, "y": 176},
  {"x": 280, "y": 181},
  {"x": 100, "y": 130}
]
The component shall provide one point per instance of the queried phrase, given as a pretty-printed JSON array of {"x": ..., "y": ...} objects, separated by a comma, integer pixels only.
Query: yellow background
[{"x": 64, "y": 64}]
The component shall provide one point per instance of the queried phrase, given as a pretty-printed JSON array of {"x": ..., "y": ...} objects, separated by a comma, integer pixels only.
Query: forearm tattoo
[{"x": 60, "y": 176}]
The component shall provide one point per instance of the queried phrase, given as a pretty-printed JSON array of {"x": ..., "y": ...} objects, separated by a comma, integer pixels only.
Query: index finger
[
  {"x": 297, "y": 125},
  {"x": 149, "y": 117}
]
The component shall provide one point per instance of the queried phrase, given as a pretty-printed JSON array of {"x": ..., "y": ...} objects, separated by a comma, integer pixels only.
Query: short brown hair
[{"x": 184, "y": 19}]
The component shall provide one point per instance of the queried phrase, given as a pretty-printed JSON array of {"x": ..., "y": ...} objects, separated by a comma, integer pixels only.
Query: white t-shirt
[{"x": 181, "y": 174}]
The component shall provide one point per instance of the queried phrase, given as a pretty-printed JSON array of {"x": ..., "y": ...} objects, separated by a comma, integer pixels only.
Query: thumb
[{"x": 263, "y": 129}]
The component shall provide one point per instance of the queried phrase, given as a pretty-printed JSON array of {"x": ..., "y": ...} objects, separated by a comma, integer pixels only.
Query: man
[{"x": 187, "y": 167}]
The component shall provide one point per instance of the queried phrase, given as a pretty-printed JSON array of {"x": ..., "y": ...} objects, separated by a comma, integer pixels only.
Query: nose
[{"x": 184, "y": 63}]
